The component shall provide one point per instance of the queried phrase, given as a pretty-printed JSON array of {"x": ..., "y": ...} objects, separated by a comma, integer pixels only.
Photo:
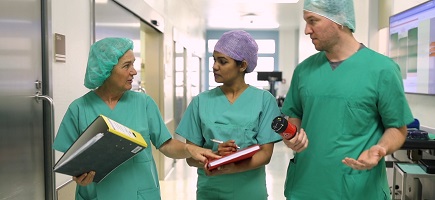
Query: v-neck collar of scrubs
[
  {"x": 103, "y": 105},
  {"x": 237, "y": 99},
  {"x": 335, "y": 65}
]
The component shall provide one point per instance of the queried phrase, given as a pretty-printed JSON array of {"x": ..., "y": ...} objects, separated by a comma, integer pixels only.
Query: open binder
[{"x": 103, "y": 146}]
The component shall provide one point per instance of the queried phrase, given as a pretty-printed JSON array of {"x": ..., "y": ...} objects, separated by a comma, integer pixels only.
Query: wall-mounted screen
[
  {"x": 412, "y": 46},
  {"x": 269, "y": 76}
]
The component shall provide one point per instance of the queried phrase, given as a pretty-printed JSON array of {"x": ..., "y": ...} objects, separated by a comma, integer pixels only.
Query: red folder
[{"x": 239, "y": 155}]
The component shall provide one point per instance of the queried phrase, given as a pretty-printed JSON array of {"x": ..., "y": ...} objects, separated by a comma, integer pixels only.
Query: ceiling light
[
  {"x": 101, "y": 1},
  {"x": 259, "y": 1},
  {"x": 249, "y": 18}
]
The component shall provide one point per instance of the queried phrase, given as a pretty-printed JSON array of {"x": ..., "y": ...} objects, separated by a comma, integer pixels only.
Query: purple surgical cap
[{"x": 239, "y": 45}]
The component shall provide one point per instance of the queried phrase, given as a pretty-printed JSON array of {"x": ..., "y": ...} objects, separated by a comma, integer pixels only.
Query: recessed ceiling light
[
  {"x": 101, "y": 1},
  {"x": 260, "y": 1}
]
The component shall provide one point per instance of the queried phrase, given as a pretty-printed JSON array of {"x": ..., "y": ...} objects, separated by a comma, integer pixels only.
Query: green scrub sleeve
[
  {"x": 67, "y": 133},
  {"x": 393, "y": 106},
  {"x": 159, "y": 133},
  {"x": 191, "y": 123},
  {"x": 292, "y": 105}
]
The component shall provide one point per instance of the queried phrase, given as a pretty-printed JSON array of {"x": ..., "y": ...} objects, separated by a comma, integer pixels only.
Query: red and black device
[{"x": 281, "y": 126}]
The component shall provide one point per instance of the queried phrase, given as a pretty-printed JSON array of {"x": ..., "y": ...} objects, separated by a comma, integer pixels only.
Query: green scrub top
[
  {"x": 247, "y": 121},
  {"x": 344, "y": 112},
  {"x": 136, "y": 178}
]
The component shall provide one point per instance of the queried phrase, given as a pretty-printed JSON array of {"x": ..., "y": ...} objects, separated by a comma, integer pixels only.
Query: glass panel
[
  {"x": 179, "y": 63},
  {"x": 251, "y": 79},
  {"x": 210, "y": 63},
  {"x": 265, "y": 64},
  {"x": 179, "y": 91},
  {"x": 195, "y": 91},
  {"x": 211, "y": 44},
  {"x": 180, "y": 87},
  {"x": 194, "y": 81},
  {"x": 194, "y": 74},
  {"x": 179, "y": 78},
  {"x": 266, "y": 46},
  {"x": 194, "y": 64}
]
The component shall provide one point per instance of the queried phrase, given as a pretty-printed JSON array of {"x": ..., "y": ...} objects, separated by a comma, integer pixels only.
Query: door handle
[
  {"x": 48, "y": 150},
  {"x": 39, "y": 97}
]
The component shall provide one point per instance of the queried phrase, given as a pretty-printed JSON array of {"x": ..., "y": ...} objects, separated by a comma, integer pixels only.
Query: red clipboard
[{"x": 239, "y": 155}]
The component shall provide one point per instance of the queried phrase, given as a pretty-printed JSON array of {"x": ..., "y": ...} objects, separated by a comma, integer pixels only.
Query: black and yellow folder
[{"x": 102, "y": 147}]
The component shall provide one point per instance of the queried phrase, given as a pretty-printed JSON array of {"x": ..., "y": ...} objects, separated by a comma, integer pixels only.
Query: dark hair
[{"x": 239, "y": 63}]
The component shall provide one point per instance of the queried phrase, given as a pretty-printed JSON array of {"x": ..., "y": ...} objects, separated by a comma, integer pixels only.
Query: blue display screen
[{"x": 412, "y": 46}]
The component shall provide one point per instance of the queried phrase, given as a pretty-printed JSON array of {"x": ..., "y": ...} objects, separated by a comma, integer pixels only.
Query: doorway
[{"x": 148, "y": 45}]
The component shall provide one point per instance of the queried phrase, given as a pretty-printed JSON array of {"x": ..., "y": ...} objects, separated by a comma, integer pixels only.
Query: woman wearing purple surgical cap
[{"x": 236, "y": 113}]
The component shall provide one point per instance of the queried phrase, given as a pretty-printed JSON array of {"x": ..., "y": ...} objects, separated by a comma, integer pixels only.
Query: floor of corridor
[{"x": 180, "y": 184}]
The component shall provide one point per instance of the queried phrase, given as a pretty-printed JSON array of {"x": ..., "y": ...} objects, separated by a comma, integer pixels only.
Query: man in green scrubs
[
  {"x": 109, "y": 74},
  {"x": 350, "y": 103}
]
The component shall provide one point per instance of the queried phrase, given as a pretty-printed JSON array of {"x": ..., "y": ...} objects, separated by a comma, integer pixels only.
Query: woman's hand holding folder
[{"x": 84, "y": 179}]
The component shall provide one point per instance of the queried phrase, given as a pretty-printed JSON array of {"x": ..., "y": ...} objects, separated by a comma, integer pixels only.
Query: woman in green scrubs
[
  {"x": 237, "y": 113},
  {"x": 350, "y": 102},
  {"x": 110, "y": 74}
]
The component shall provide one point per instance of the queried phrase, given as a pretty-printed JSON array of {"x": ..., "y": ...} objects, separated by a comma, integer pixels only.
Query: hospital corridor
[{"x": 165, "y": 80}]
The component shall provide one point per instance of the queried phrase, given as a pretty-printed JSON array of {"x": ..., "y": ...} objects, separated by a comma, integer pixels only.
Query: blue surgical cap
[
  {"x": 339, "y": 11},
  {"x": 103, "y": 56},
  {"x": 239, "y": 45}
]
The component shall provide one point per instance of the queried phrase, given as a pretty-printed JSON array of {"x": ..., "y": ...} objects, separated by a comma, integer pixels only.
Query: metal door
[{"x": 25, "y": 163}]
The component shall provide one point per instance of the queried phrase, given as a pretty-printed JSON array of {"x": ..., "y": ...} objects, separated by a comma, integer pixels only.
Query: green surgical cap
[
  {"x": 339, "y": 11},
  {"x": 103, "y": 56}
]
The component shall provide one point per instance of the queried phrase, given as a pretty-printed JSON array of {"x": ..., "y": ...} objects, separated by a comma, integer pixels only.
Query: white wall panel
[{"x": 72, "y": 19}]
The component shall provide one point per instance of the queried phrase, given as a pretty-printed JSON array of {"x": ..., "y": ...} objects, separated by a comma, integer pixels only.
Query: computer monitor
[
  {"x": 412, "y": 46},
  {"x": 269, "y": 76}
]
